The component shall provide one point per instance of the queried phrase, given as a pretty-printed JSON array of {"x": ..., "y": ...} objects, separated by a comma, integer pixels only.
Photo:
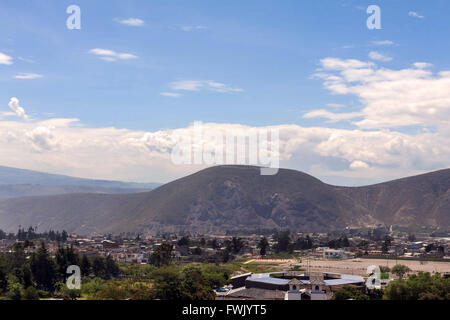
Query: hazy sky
[{"x": 352, "y": 105}]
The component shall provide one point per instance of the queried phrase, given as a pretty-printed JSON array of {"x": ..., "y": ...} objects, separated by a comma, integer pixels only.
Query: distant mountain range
[
  {"x": 238, "y": 197},
  {"x": 21, "y": 183}
]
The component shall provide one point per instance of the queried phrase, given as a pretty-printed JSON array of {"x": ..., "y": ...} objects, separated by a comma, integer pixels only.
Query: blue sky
[{"x": 230, "y": 62}]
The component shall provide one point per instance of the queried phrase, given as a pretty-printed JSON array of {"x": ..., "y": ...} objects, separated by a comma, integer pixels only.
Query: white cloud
[
  {"x": 64, "y": 146},
  {"x": 359, "y": 165},
  {"x": 28, "y": 76},
  {"x": 374, "y": 55},
  {"x": 339, "y": 64},
  {"x": 383, "y": 43},
  {"x": 375, "y": 150},
  {"x": 170, "y": 94},
  {"x": 197, "y": 85},
  {"x": 395, "y": 98},
  {"x": 193, "y": 28},
  {"x": 415, "y": 15},
  {"x": 42, "y": 138},
  {"x": 422, "y": 65},
  {"x": 332, "y": 117},
  {"x": 111, "y": 56},
  {"x": 4, "y": 59},
  {"x": 134, "y": 22},
  {"x": 14, "y": 105}
]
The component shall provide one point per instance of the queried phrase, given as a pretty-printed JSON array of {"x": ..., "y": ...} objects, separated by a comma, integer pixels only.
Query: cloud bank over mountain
[{"x": 402, "y": 128}]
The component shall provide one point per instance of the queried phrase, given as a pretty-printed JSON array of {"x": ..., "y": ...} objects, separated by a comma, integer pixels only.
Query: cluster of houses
[{"x": 199, "y": 248}]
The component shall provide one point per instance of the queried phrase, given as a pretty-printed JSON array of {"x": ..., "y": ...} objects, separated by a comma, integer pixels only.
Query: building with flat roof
[{"x": 290, "y": 285}]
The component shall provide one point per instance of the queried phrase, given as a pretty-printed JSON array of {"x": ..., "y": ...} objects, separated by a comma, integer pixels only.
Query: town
[{"x": 245, "y": 265}]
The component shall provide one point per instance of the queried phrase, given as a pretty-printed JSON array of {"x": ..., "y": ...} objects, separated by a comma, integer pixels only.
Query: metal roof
[
  {"x": 336, "y": 282},
  {"x": 269, "y": 280},
  {"x": 344, "y": 279}
]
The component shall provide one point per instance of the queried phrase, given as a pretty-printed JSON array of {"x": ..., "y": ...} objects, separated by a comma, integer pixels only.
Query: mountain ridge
[
  {"x": 238, "y": 197},
  {"x": 15, "y": 182}
]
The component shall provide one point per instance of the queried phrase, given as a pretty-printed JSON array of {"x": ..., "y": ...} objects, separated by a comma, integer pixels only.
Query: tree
[
  {"x": 236, "y": 244},
  {"x": 63, "y": 291},
  {"x": 386, "y": 245},
  {"x": 99, "y": 267},
  {"x": 422, "y": 286},
  {"x": 283, "y": 242},
  {"x": 189, "y": 284},
  {"x": 65, "y": 257},
  {"x": 43, "y": 268},
  {"x": 85, "y": 266},
  {"x": 308, "y": 242},
  {"x": 17, "y": 258},
  {"x": 214, "y": 244},
  {"x": 400, "y": 270},
  {"x": 262, "y": 245},
  {"x": 64, "y": 236},
  {"x": 195, "y": 286},
  {"x": 26, "y": 276},
  {"x": 430, "y": 296},
  {"x": 196, "y": 251},
  {"x": 112, "y": 291},
  {"x": 384, "y": 269},
  {"x": 167, "y": 284},
  {"x": 30, "y": 293},
  {"x": 3, "y": 280},
  {"x": 112, "y": 269},
  {"x": 347, "y": 293},
  {"x": 15, "y": 290},
  {"x": 228, "y": 245},
  {"x": 223, "y": 256},
  {"x": 184, "y": 241},
  {"x": 162, "y": 255}
]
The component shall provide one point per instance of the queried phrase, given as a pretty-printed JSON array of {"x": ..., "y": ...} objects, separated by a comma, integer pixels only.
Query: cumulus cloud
[
  {"x": 14, "y": 105},
  {"x": 374, "y": 55},
  {"x": 415, "y": 15},
  {"x": 375, "y": 149},
  {"x": 5, "y": 59},
  {"x": 340, "y": 64},
  {"x": 393, "y": 98},
  {"x": 63, "y": 146},
  {"x": 134, "y": 22},
  {"x": 111, "y": 55},
  {"x": 28, "y": 76},
  {"x": 42, "y": 138},
  {"x": 359, "y": 165},
  {"x": 197, "y": 85},
  {"x": 422, "y": 65}
]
